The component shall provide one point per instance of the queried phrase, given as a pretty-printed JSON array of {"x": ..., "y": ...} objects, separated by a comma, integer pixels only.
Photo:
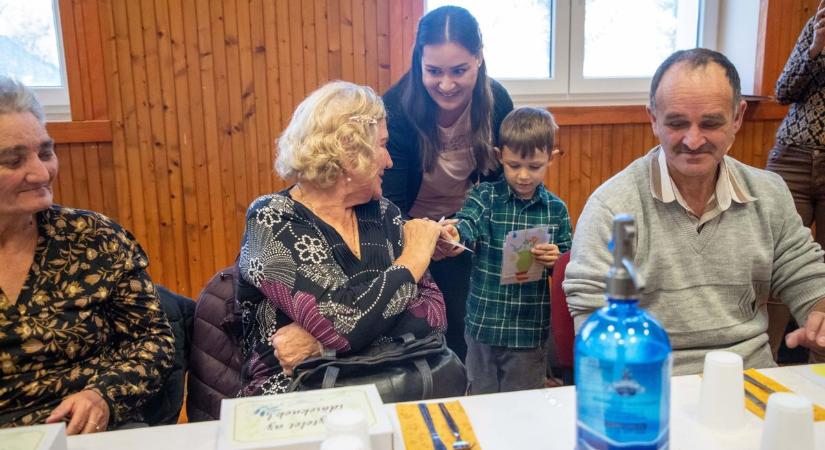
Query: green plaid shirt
[{"x": 513, "y": 315}]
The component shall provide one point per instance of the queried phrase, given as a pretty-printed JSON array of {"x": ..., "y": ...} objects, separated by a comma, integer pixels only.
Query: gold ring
[{"x": 97, "y": 427}]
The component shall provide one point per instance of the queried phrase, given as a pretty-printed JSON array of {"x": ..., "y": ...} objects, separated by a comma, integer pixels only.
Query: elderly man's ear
[{"x": 739, "y": 114}]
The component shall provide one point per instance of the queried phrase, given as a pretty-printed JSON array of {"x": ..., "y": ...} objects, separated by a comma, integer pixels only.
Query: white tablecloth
[{"x": 538, "y": 419}]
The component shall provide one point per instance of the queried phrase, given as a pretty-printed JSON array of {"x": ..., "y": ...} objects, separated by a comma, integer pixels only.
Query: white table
[{"x": 537, "y": 419}]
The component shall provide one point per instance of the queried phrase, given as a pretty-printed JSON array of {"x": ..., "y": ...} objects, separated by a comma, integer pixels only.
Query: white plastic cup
[
  {"x": 789, "y": 422},
  {"x": 344, "y": 442},
  {"x": 722, "y": 400},
  {"x": 348, "y": 422}
]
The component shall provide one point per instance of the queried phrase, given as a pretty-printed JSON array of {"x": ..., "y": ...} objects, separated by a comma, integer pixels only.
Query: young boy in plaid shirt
[{"x": 507, "y": 326}]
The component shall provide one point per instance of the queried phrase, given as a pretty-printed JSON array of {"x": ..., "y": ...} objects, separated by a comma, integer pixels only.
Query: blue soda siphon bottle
[{"x": 623, "y": 363}]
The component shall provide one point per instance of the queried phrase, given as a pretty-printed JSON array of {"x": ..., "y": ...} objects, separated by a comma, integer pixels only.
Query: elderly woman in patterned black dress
[
  {"x": 328, "y": 262},
  {"x": 83, "y": 338}
]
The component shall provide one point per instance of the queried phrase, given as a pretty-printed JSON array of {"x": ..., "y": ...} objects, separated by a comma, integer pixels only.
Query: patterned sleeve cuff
[{"x": 405, "y": 269}]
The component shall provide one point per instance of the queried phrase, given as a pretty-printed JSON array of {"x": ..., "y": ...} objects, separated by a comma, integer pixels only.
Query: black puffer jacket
[{"x": 215, "y": 358}]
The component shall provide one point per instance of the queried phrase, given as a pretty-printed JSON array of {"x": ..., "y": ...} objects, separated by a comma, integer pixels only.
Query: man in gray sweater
[{"x": 715, "y": 238}]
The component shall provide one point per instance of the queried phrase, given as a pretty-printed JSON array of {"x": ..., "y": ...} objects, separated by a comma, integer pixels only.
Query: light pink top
[{"x": 444, "y": 189}]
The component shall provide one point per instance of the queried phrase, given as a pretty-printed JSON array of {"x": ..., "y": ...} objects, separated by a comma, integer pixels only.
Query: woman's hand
[
  {"x": 449, "y": 233},
  {"x": 546, "y": 254},
  {"x": 420, "y": 237},
  {"x": 292, "y": 345},
  {"x": 88, "y": 412},
  {"x": 818, "y": 41}
]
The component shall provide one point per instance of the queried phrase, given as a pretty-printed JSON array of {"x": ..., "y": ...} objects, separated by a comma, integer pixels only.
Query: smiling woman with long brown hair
[{"x": 443, "y": 121}]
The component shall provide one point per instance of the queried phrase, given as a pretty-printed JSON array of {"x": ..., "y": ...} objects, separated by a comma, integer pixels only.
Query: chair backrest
[
  {"x": 561, "y": 323},
  {"x": 164, "y": 407},
  {"x": 215, "y": 359}
]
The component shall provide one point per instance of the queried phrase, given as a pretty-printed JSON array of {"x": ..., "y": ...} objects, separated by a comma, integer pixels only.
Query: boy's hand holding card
[
  {"x": 546, "y": 254},
  {"x": 526, "y": 253}
]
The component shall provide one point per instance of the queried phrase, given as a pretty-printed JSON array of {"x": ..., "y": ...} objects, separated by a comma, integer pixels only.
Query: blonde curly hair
[{"x": 333, "y": 129}]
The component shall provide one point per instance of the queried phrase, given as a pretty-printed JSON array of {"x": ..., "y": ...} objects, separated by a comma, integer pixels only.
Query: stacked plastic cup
[
  {"x": 347, "y": 429},
  {"x": 789, "y": 423},
  {"x": 722, "y": 401}
]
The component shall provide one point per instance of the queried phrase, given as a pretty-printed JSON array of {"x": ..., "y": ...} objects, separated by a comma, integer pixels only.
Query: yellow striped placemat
[
  {"x": 756, "y": 391},
  {"x": 414, "y": 430}
]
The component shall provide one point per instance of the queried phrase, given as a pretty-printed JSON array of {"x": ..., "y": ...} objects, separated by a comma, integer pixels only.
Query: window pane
[
  {"x": 516, "y": 33},
  {"x": 28, "y": 42},
  {"x": 630, "y": 38}
]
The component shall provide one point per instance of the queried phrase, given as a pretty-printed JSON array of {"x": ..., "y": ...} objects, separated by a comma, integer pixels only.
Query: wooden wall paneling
[
  {"x": 131, "y": 210},
  {"x": 80, "y": 132},
  {"x": 411, "y": 13},
  {"x": 346, "y": 36},
  {"x": 788, "y": 38},
  {"x": 165, "y": 144},
  {"x": 321, "y": 41},
  {"x": 142, "y": 94},
  {"x": 296, "y": 61},
  {"x": 744, "y": 140},
  {"x": 71, "y": 47},
  {"x": 575, "y": 168},
  {"x": 383, "y": 48},
  {"x": 106, "y": 179},
  {"x": 334, "y": 41},
  {"x": 564, "y": 168},
  {"x": 112, "y": 155},
  {"x": 764, "y": 44},
  {"x": 780, "y": 22},
  {"x": 224, "y": 182},
  {"x": 157, "y": 147},
  {"x": 93, "y": 43},
  {"x": 285, "y": 61},
  {"x": 235, "y": 208},
  {"x": 251, "y": 81},
  {"x": 63, "y": 185},
  {"x": 273, "y": 78},
  {"x": 358, "y": 44},
  {"x": 396, "y": 41},
  {"x": 184, "y": 269},
  {"x": 70, "y": 188},
  {"x": 306, "y": 19},
  {"x": 82, "y": 103},
  {"x": 249, "y": 99},
  {"x": 769, "y": 136},
  {"x": 212, "y": 133},
  {"x": 551, "y": 179},
  {"x": 586, "y": 167},
  {"x": 179, "y": 127},
  {"x": 80, "y": 180},
  {"x": 192, "y": 89},
  {"x": 273, "y": 81},
  {"x": 371, "y": 44},
  {"x": 595, "y": 148}
]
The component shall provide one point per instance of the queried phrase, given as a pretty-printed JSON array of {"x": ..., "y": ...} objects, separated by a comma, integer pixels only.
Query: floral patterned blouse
[
  {"x": 88, "y": 317},
  {"x": 294, "y": 267}
]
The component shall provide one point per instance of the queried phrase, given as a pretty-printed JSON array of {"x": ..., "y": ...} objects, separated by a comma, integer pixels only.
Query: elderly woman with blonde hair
[{"x": 328, "y": 262}]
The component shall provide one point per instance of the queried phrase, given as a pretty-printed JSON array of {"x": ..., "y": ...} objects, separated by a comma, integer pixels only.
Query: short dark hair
[
  {"x": 695, "y": 58},
  {"x": 526, "y": 130}
]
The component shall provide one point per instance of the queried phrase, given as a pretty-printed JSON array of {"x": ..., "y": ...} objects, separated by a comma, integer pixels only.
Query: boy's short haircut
[{"x": 526, "y": 129}]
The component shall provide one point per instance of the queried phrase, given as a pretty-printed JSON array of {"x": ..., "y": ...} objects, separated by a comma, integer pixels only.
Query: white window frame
[
  {"x": 55, "y": 100},
  {"x": 569, "y": 87}
]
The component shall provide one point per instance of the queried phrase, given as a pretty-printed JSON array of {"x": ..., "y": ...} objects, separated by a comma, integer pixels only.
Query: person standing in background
[
  {"x": 799, "y": 153},
  {"x": 443, "y": 121}
]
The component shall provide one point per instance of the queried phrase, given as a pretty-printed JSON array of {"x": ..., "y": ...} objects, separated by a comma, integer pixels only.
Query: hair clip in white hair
[{"x": 364, "y": 119}]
